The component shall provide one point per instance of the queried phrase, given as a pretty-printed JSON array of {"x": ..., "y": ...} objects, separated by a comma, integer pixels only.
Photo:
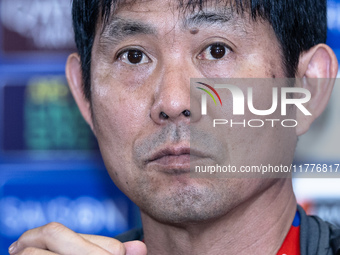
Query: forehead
[
  {"x": 188, "y": 12},
  {"x": 183, "y": 6},
  {"x": 177, "y": 5},
  {"x": 161, "y": 17}
]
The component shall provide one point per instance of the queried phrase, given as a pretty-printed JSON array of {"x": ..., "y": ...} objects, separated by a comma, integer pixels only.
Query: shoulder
[{"x": 318, "y": 236}]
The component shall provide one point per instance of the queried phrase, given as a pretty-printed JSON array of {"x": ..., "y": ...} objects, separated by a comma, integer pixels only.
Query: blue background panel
[
  {"x": 333, "y": 35},
  {"x": 81, "y": 197}
]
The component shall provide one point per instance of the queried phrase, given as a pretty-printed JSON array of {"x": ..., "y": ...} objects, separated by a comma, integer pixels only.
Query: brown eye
[
  {"x": 214, "y": 51},
  {"x": 134, "y": 57},
  {"x": 217, "y": 51}
]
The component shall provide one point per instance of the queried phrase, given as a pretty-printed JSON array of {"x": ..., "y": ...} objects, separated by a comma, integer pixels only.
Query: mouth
[{"x": 174, "y": 159}]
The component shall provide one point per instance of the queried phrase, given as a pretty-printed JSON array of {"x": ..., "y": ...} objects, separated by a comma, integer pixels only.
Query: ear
[
  {"x": 317, "y": 71},
  {"x": 75, "y": 81}
]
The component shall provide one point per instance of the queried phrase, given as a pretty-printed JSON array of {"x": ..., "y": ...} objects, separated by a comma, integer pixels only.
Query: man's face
[{"x": 141, "y": 68}]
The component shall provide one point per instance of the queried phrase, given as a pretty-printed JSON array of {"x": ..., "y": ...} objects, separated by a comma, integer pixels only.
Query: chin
[{"x": 185, "y": 205}]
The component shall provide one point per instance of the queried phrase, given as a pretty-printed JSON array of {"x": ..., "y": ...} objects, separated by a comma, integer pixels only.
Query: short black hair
[{"x": 298, "y": 25}]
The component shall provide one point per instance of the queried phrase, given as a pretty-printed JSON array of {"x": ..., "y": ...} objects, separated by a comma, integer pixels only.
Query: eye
[
  {"x": 133, "y": 57},
  {"x": 214, "y": 51}
]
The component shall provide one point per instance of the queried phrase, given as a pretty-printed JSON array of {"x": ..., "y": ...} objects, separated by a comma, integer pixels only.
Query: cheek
[
  {"x": 120, "y": 100},
  {"x": 118, "y": 118}
]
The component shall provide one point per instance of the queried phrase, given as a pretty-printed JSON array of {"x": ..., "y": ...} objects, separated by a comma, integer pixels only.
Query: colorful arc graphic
[{"x": 209, "y": 92}]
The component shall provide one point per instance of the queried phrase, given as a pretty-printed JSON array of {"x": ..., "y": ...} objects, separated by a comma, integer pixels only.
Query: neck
[{"x": 256, "y": 226}]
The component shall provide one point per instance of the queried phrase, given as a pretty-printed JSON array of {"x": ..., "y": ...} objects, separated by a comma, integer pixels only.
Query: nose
[{"x": 172, "y": 97}]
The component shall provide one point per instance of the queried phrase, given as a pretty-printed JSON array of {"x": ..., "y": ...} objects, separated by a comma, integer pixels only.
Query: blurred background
[{"x": 50, "y": 167}]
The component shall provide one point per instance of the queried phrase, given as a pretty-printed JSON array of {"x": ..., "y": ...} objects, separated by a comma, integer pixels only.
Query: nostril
[
  {"x": 163, "y": 115},
  {"x": 186, "y": 113}
]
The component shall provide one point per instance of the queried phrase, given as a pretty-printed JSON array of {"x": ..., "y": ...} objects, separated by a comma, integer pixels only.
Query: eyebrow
[
  {"x": 118, "y": 29},
  {"x": 204, "y": 18}
]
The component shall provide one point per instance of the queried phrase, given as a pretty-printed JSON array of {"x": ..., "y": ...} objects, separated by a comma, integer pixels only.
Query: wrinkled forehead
[{"x": 183, "y": 8}]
